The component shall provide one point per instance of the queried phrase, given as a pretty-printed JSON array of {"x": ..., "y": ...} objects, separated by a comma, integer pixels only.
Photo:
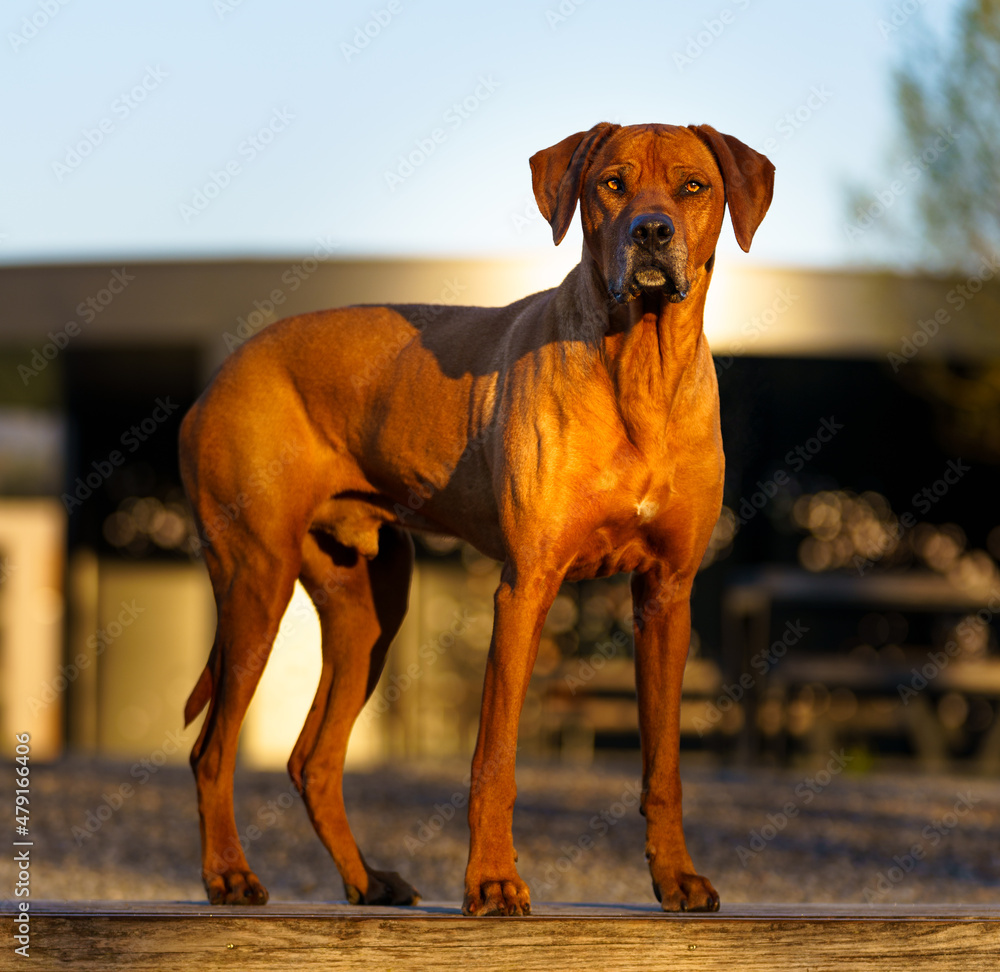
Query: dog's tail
[{"x": 200, "y": 695}]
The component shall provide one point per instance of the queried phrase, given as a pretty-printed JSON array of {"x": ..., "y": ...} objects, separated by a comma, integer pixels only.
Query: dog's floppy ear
[
  {"x": 749, "y": 179},
  {"x": 557, "y": 176}
]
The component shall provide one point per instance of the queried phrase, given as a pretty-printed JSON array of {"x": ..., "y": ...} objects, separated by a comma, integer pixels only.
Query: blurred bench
[
  {"x": 581, "y": 702},
  {"x": 747, "y": 632},
  {"x": 880, "y": 709}
]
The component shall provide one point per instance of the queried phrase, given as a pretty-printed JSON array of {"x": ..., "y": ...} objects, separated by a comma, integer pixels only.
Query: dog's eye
[
  {"x": 615, "y": 185},
  {"x": 692, "y": 187}
]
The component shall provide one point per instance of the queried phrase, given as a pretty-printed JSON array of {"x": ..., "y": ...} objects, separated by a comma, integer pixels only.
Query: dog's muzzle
[{"x": 653, "y": 260}]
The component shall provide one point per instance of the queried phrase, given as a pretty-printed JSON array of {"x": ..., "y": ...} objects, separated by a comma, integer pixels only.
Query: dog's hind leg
[
  {"x": 251, "y": 599},
  {"x": 361, "y": 604}
]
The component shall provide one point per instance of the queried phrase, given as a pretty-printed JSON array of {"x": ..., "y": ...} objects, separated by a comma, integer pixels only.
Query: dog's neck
[{"x": 654, "y": 350}]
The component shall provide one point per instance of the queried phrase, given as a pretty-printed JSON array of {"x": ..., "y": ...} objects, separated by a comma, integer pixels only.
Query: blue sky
[{"x": 228, "y": 128}]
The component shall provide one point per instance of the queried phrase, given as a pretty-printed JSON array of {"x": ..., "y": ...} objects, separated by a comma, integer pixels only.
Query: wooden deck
[{"x": 612, "y": 938}]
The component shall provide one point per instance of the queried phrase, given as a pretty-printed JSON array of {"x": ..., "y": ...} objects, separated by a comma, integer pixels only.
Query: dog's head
[{"x": 652, "y": 199}]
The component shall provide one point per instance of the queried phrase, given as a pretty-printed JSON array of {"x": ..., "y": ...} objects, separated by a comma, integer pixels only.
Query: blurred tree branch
[
  {"x": 943, "y": 207},
  {"x": 956, "y": 87}
]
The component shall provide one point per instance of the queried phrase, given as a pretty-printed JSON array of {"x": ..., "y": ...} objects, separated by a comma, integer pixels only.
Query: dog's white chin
[{"x": 650, "y": 277}]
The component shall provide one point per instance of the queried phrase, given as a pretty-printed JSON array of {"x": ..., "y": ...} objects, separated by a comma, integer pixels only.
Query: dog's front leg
[
  {"x": 662, "y": 621},
  {"x": 492, "y": 884}
]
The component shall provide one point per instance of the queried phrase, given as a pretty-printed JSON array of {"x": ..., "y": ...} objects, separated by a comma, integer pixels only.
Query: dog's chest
[{"x": 642, "y": 512}]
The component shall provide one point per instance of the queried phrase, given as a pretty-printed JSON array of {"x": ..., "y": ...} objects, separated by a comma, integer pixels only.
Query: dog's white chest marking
[{"x": 646, "y": 509}]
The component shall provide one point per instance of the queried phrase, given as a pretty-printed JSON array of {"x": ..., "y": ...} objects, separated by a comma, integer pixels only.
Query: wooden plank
[{"x": 632, "y": 938}]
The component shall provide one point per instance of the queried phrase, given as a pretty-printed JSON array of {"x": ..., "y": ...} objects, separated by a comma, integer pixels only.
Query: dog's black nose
[{"x": 651, "y": 230}]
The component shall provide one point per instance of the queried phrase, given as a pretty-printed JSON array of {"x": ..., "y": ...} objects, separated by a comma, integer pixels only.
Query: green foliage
[{"x": 954, "y": 84}]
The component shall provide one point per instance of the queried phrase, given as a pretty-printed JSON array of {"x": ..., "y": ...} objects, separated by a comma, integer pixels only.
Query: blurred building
[{"x": 835, "y": 386}]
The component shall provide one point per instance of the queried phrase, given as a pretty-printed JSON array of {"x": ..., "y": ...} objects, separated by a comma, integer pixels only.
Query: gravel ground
[{"x": 820, "y": 836}]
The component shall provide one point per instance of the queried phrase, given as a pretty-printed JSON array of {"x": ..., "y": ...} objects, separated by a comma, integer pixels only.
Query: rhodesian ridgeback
[{"x": 573, "y": 434}]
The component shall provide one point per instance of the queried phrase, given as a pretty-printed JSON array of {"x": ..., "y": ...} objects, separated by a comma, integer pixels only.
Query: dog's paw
[
  {"x": 384, "y": 888},
  {"x": 686, "y": 892},
  {"x": 234, "y": 888},
  {"x": 497, "y": 898}
]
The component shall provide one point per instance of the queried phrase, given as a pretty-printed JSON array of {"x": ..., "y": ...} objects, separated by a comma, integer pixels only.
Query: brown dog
[{"x": 573, "y": 434}]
